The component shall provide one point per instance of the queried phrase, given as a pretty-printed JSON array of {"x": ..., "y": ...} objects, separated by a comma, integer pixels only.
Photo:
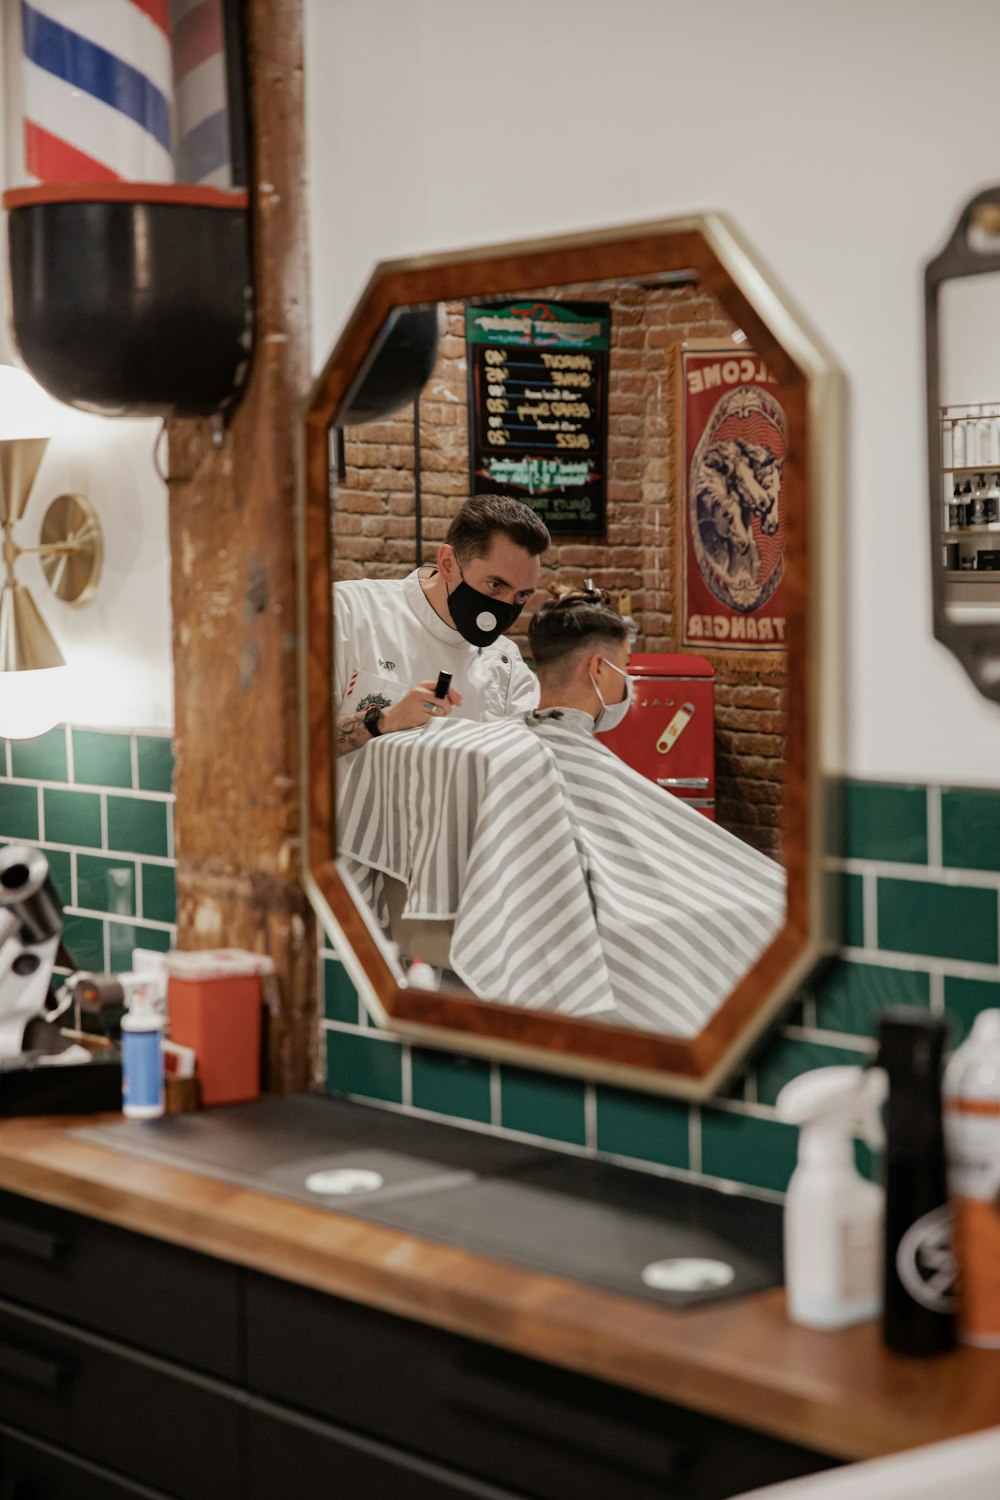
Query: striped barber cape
[{"x": 574, "y": 885}]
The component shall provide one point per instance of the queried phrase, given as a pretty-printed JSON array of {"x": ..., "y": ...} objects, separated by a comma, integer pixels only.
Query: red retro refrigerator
[{"x": 668, "y": 733}]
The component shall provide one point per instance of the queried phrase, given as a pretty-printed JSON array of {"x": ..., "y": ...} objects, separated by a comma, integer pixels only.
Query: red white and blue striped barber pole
[
  {"x": 97, "y": 91},
  {"x": 203, "y": 136},
  {"x": 127, "y": 215}
]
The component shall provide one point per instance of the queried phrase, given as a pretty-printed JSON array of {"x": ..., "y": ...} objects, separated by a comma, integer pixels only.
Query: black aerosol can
[{"x": 919, "y": 1316}]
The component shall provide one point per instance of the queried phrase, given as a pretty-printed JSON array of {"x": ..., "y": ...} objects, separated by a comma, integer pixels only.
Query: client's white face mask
[{"x": 611, "y": 714}]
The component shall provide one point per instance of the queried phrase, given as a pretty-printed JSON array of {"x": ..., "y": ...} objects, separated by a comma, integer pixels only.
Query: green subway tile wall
[
  {"x": 920, "y": 879},
  {"x": 54, "y": 793},
  {"x": 919, "y": 875}
]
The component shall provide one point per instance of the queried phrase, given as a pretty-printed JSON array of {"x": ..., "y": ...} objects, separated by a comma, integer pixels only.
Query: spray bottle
[{"x": 833, "y": 1216}]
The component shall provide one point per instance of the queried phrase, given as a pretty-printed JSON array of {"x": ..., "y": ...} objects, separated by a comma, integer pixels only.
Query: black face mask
[{"x": 479, "y": 618}]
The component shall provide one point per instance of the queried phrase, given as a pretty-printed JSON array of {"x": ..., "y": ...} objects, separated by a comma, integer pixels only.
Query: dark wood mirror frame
[
  {"x": 977, "y": 645},
  {"x": 812, "y": 394}
]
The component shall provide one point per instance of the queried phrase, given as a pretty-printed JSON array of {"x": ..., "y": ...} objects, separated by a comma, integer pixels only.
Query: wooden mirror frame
[{"x": 812, "y": 395}]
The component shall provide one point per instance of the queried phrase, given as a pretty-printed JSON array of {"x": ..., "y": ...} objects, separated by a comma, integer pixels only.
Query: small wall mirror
[
  {"x": 502, "y": 879},
  {"x": 963, "y": 424}
]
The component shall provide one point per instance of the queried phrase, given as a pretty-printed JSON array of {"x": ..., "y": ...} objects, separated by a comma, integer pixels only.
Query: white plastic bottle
[
  {"x": 833, "y": 1216},
  {"x": 972, "y": 1139}
]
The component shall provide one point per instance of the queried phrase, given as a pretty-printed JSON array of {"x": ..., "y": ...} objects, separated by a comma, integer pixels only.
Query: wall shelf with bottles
[{"x": 970, "y": 495}]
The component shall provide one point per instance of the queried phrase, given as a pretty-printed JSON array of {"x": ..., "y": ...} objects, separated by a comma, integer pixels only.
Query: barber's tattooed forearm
[{"x": 351, "y": 734}]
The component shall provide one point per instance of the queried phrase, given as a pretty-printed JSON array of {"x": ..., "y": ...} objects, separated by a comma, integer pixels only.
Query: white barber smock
[{"x": 388, "y": 637}]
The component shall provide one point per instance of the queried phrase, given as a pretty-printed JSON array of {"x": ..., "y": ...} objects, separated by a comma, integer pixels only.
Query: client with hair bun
[
  {"x": 580, "y": 648},
  {"x": 683, "y": 907}
]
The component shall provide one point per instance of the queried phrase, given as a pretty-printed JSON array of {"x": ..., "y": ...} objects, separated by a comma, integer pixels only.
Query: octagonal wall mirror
[
  {"x": 962, "y": 302},
  {"x": 637, "y": 905}
]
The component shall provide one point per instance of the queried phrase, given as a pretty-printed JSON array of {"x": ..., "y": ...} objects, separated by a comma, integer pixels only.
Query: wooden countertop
[{"x": 838, "y": 1392}]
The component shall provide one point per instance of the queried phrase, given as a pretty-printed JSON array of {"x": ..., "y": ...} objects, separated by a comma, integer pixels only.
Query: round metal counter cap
[{"x": 687, "y": 1274}]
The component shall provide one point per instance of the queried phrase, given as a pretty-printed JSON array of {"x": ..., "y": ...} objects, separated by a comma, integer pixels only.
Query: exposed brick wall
[{"x": 375, "y": 533}]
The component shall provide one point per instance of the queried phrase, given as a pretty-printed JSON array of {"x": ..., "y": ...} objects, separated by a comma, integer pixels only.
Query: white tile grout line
[
  {"x": 849, "y": 1039},
  {"x": 937, "y": 994},
  {"x": 72, "y": 910},
  {"x": 694, "y": 1138},
  {"x": 74, "y": 888},
  {"x": 104, "y": 820},
  {"x": 869, "y": 898},
  {"x": 40, "y": 809},
  {"x": 94, "y": 787},
  {"x": 406, "y": 1075},
  {"x": 925, "y": 874},
  {"x": 70, "y": 759},
  {"x": 106, "y": 936},
  {"x": 133, "y": 746},
  {"x": 375, "y": 1032},
  {"x": 496, "y": 1099},
  {"x": 590, "y": 1115},
  {"x": 170, "y": 832},
  {"x": 935, "y": 851},
  {"x": 125, "y": 854},
  {"x": 958, "y": 968},
  {"x": 137, "y": 888},
  {"x": 8, "y": 762}
]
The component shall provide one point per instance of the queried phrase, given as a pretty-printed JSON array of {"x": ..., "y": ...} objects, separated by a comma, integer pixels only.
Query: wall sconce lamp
[{"x": 71, "y": 551}]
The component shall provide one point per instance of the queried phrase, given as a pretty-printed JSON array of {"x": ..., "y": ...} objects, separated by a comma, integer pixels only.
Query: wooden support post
[{"x": 232, "y": 538}]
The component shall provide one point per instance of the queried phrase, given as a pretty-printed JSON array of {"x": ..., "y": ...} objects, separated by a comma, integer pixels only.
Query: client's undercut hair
[
  {"x": 572, "y": 622},
  {"x": 472, "y": 531}
]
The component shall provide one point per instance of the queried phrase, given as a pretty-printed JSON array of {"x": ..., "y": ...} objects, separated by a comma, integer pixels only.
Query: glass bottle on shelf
[
  {"x": 977, "y": 507},
  {"x": 972, "y": 437},
  {"x": 956, "y": 511},
  {"x": 958, "y": 444},
  {"x": 993, "y": 504},
  {"x": 947, "y": 446},
  {"x": 984, "y": 435}
]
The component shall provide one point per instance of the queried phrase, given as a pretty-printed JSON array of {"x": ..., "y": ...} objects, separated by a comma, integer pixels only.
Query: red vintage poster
[{"x": 735, "y": 437}]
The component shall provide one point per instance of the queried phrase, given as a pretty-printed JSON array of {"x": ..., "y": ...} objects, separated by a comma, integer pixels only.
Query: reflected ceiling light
[{"x": 32, "y": 668}]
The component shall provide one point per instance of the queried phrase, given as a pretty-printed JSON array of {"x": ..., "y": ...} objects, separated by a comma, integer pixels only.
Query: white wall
[
  {"x": 834, "y": 136},
  {"x": 117, "y": 646}
]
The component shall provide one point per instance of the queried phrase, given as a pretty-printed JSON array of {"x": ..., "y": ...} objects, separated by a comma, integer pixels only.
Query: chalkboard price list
[{"x": 538, "y": 375}]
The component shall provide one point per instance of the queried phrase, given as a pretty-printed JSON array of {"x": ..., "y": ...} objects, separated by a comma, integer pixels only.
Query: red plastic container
[{"x": 214, "y": 999}]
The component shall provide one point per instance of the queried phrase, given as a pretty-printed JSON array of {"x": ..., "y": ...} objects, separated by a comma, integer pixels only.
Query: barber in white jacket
[{"x": 392, "y": 636}]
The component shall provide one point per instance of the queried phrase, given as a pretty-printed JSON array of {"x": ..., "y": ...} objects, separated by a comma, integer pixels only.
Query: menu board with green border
[{"x": 538, "y": 424}]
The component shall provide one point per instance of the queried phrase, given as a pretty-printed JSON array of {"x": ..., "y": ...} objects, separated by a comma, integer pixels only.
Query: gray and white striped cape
[{"x": 574, "y": 884}]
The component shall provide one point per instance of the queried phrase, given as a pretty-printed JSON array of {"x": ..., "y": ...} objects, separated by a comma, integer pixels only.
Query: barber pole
[
  {"x": 202, "y": 115},
  {"x": 97, "y": 91}
]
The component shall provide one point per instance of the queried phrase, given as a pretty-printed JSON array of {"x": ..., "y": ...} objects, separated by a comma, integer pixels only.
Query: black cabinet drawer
[
  {"x": 182, "y": 1305},
  {"x": 293, "y": 1455},
  {"x": 540, "y": 1431},
  {"x": 38, "y": 1471},
  {"x": 180, "y": 1433}
]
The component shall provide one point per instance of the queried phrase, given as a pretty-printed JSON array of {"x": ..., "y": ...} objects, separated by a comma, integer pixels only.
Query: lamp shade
[
  {"x": 25, "y": 409},
  {"x": 26, "y": 642},
  {"x": 32, "y": 703}
]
